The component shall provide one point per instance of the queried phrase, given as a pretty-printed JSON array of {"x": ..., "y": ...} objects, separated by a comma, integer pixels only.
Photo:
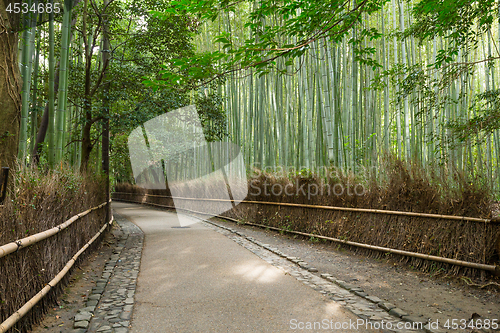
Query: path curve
[{"x": 197, "y": 280}]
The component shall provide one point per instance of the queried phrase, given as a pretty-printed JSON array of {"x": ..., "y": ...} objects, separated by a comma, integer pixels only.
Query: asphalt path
[{"x": 197, "y": 280}]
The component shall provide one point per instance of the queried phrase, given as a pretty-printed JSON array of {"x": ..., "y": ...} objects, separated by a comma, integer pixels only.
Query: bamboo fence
[
  {"x": 14, "y": 246},
  {"x": 348, "y": 209},
  {"x": 18, "y": 244},
  {"x": 492, "y": 268}
]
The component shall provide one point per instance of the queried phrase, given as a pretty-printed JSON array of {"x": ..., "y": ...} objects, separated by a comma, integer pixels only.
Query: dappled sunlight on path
[{"x": 197, "y": 280}]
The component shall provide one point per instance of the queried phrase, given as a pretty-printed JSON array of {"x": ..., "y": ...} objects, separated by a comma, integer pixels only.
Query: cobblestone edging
[
  {"x": 351, "y": 297},
  {"x": 110, "y": 304}
]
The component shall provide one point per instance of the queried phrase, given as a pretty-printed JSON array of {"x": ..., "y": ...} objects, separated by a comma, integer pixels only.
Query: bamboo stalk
[
  {"x": 51, "y": 96},
  {"x": 16, "y": 245},
  {"x": 34, "y": 110},
  {"x": 63, "y": 81},
  {"x": 27, "y": 62},
  {"x": 406, "y": 133},
  {"x": 386, "y": 88},
  {"x": 396, "y": 105},
  {"x": 14, "y": 318}
]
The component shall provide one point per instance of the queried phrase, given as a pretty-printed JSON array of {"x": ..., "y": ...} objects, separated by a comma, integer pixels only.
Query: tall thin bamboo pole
[{"x": 63, "y": 80}]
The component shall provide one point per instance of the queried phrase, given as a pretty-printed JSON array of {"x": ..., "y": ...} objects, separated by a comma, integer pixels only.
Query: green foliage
[
  {"x": 278, "y": 29},
  {"x": 212, "y": 116},
  {"x": 487, "y": 120},
  {"x": 461, "y": 22},
  {"x": 127, "y": 117},
  {"x": 123, "y": 121}
]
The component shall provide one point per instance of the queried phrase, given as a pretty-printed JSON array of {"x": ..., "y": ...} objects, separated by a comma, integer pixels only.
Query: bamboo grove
[
  {"x": 334, "y": 108},
  {"x": 50, "y": 120},
  {"x": 341, "y": 102},
  {"x": 82, "y": 67}
]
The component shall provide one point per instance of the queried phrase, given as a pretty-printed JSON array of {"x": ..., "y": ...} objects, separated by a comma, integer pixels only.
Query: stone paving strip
[
  {"x": 110, "y": 304},
  {"x": 353, "y": 298}
]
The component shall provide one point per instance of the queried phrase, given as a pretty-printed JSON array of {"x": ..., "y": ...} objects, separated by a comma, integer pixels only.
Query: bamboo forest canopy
[
  {"x": 338, "y": 83},
  {"x": 276, "y": 30},
  {"x": 287, "y": 29}
]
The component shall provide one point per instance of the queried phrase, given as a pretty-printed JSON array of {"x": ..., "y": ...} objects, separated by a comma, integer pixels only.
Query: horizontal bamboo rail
[
  {"x": 362, "y": 210},
  {"x": 18, "y": 244},
  {"x": 492, "y": 268},
  {"x": 14, "y": 318}
]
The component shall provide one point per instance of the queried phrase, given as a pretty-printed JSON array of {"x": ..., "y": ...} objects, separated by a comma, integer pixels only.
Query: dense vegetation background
[{"x": 300, "y": 84}]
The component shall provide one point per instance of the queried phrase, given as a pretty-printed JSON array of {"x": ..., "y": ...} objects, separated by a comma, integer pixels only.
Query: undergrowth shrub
[{"x": 38, "y": 201}]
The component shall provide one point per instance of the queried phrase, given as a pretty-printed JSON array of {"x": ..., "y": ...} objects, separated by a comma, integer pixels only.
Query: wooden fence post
[{"x": 4, "y": 177}]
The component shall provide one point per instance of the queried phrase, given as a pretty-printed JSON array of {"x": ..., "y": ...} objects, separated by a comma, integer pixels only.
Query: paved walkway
[
  {"x": 197, "y": 280},
  {"x": 207, "y": 278}
]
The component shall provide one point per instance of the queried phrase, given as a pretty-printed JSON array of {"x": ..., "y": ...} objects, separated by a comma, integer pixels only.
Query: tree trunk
[
  {"x": 86, "y": 145},
  {"x": 87, "y": 110},
  {"x": 44, "y": 124},
  {"x": 105, "y": 123},
  {"x": 10, "y": 97}
]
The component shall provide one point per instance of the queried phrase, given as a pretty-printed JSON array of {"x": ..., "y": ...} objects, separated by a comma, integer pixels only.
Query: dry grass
[
  {"x": 37, "y": 202},
  {"x": 403, "y": 187}
]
